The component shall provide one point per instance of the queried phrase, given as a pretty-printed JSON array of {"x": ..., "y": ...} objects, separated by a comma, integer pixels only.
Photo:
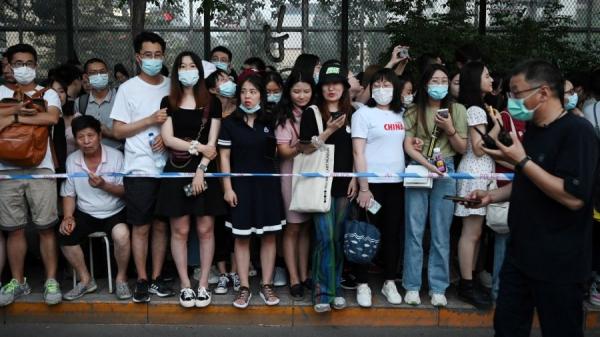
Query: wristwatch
[
  {"x": 520, "y": 165},
  {"x": 203, "y": 167}
]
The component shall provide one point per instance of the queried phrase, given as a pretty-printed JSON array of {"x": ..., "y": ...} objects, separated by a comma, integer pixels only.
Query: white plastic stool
[{"x": 97, "y": 235}]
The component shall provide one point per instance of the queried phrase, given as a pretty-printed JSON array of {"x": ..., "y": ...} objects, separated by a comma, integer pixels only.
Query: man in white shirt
[
  {"x": 21, "y": 197},
  {"x": 93, "y": 205},
  {"x": 137, "y": 118},
  {"x": 591, "y": 107}
]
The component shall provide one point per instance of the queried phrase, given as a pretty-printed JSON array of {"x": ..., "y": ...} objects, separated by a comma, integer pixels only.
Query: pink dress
[{"x": 288, "y": 134}]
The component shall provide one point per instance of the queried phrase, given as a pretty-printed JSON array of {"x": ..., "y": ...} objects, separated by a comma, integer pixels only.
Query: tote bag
[{"x": 313, "y": 195}]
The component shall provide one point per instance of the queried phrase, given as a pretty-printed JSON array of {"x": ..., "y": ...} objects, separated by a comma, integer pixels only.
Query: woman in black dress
[
  {"x": 190, "y": 133},
  {"x": 247, "y": 145}
]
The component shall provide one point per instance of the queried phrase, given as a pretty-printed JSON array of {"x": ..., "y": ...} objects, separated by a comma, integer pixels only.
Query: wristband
[
  {"x": 193, "y": 150},
  {"x": 366, "y": 190},
  {"x": 520, "y": 165},
  {"x": 203, "y": 167}
]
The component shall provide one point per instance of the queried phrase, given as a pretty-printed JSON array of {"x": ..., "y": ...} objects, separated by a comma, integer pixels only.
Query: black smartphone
[
  {"x": 488, "y": 141},
  {"x": 461, "y": 199},
  {"x": 336, "y": 115},
  {"x": 443, "y": 113}
]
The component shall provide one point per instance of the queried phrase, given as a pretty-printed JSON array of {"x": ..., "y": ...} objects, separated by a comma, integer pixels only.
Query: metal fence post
[
  {"x": 305, "y": 23},
  {"x": 206, "y": 28},
  {"x": 69, "y": 23},
  {"x": 345, "y": 35},
  {"x": 482, "y": 16}
]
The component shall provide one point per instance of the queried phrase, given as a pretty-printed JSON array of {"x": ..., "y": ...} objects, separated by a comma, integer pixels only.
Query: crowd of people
[{"x": 207, "y": 118}]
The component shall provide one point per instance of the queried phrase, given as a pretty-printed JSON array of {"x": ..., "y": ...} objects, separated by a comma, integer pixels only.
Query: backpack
[{"x": 83, "y": 103}]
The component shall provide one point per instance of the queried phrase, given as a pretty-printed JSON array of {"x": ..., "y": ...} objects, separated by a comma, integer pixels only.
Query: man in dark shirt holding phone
[{"x": 548, "y": 256}]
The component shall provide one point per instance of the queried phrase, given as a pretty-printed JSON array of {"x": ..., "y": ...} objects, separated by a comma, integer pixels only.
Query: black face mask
[{"x": 69, "y": 108}]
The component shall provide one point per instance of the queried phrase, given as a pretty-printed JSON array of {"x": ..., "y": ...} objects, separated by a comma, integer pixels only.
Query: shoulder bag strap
[
  {"x": 318, "y": 117},
  {"x": 597, "y": 127},
  {"x": 83, "y": 103}
]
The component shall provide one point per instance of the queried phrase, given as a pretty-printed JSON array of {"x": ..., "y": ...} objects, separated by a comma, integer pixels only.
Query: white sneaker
[
  {"x": 390, "y": 292},
  {"x": 339, "y": 303},
  {"x": 279, "y": 277},
  {"x": 363, "y": 295},
  {"x": 187, "y": 298},
  {"x": 439, "y": 300},
  {"x": 412, "y": 297},
  {"x": 203, "y": 297}
]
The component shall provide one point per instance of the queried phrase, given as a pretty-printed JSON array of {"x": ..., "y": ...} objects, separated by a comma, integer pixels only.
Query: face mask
[
  {"x": 274, "y": 98},
  {"x": 408, "y": 99},
  {"x": 99, "y": 81},
  {"x": 227, "y": 89},
  {"x": 383, "y": 96},
  {"x": 152, "y": 67},
  {"x": 437, "y": 91},
  {"x": 24, "y": 75},
  {"x": 250, "y": 110},
  {"x": 517, "y": 109},
  {"x": 188, "y": 78},
  {"x": 221, "y": 65},
  {"x": 572, "y": 103},
  {"x": 316, "y": 78}
]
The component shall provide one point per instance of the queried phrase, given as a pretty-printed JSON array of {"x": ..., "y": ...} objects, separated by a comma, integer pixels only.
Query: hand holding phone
[
  {"x": 443, "y": 113},
  {"x": 462, "y": 199}
]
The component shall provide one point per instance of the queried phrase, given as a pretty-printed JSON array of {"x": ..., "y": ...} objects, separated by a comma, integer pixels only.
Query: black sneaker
[
  {"x": 160, "y": 288},
  {"x": 141, "y": 293},
  {"x": 297, "y": 291},
  {"x": 348, "y": 282}
]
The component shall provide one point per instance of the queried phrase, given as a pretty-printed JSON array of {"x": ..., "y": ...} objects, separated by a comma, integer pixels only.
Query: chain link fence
[{"x": 101, "y": 28}]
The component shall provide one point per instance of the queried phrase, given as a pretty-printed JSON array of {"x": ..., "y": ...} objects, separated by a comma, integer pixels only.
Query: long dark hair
[
  {"x": 470, "y": 93},
  {"x": 201, "y": 95},
  {"x": 389, "y": 75},
  {"x": 257, "y": 82},
  {"x": 284, "y": 110},
  {"x": 422, "y": 98},
  {"x": 345, "y": 103},
  {"x": 306, "y": 63}
]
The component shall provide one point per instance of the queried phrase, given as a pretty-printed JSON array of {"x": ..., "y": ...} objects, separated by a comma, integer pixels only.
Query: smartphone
[
  {"x": 374, "y": 207},
  {"x": 443, "y": 113},
  {"x": 189, "y": 191},
  {"x": 336, "y": 115},
  {"x": 488, "y": 141},
  {"x": 461, "y": 199},
  {"x": 403, "y": 53}
]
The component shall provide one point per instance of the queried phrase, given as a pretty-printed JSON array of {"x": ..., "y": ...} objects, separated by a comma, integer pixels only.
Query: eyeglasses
[
  {"x": 150, "y": 55},
  {"x": 20, "y": 64},
  {"x": 97, "y": 72},
  {"x": 514, "y": 94}
]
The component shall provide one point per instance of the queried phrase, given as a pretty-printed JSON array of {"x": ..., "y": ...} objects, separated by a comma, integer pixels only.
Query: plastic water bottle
[
  {"x": 438, "y": 160},
  {"x": 159, "y": 161}
]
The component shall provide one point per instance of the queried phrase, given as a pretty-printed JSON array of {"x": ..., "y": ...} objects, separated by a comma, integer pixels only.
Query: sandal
[
  {"x": 267, "y": 293},
  {"x": 242, "y": 299}
]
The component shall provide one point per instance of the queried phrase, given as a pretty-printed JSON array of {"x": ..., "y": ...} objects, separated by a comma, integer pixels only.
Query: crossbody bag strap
[
  {"x": 596, "y": 117},
  {"x": 318, "y": 117}
]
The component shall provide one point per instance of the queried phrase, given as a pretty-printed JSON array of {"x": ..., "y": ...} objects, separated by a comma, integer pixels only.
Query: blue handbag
[{"x": 361, "y": 241}]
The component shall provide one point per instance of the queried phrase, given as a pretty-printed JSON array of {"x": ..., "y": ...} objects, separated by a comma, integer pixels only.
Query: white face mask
[
  {"x": 24, "y": 75},
  {"x": 383, "y": 96},
  {"x": 408, "y": 99}
]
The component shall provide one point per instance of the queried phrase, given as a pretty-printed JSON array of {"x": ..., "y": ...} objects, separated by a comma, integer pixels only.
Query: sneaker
[
  {"x": 122, "y": 291},
  {"x": 485, "y": 279},
  {"x": 81, "y": 289},
  {"x": 252, "y": 272},
  {"x": 187, "y": 298},
  {"x": 279, "y": 277},
  {"x": 439, "y": 300},
  {"x": 203, "y": 299},
  {"x": 297, "y": 291},
  {"x": 213, "y": 276},
  {"x": 222, "y": 285},
  {"x": 308, "y": 284},
  {"x": 390, "y": 292},
  {"x": 339, "y": 303},
  {"x": 52, "y": 294},
  {"x": 13, "y": 290},
  {"x": 467, "y": 292},
  {"x": 235, "y": 279},
  {"x": 322, "y": 307},
  {"x": 141, "y": 293},
  {"x": 363, "y": 295},
  {"x": 160, "y": 288},
  {"x": 594, "y": 293},
  {"x": 412, "y": 297},
  {"x": 242, "y": 298},
  {"x": 267, "y": 293},
  {"x": 348, "y": 282}
]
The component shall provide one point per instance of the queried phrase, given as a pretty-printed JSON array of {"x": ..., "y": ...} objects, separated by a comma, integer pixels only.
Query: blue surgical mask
[
  {"x": 188, "y": 78},
  {"x": 316, "y": 78},
  {"x": 227, "y": 89},
  {"x": 517, "y": 109},
  {"x": 221, "y": 65},
  {"x": 99, "y": 81},
  {"x": 437, "y": 91},
  {"x": 572, "y": 103},
  {"x": 274, "y": 98},
  {"x": 152, "y": 67},
  {"x": 250, "y": 111}
]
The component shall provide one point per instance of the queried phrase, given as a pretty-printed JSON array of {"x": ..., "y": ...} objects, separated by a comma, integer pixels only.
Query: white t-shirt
[
  {"x": 384, "y": 133},
  {"x": 588, "y": 111},
  {"x": 136, "y": 100},
  {"x": 53, "y": 100},
  {"x": 94, "y": 201}
]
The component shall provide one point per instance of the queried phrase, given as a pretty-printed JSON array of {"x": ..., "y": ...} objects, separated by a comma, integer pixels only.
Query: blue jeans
[
  {"x": 419, "y": 203},
  {"x": 500, "y": 241}
]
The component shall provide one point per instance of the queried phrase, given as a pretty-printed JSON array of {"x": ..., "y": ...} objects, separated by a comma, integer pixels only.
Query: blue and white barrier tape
[{"x": 457, "y": 176}]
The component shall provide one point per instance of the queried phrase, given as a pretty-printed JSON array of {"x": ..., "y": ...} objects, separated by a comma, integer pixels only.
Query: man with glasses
[
  {"x": 29, "y": 201},
  {"x": 99, "y": 102},
  {"x": 137, "y": 119},
  {"x": 548, "y": 256}
]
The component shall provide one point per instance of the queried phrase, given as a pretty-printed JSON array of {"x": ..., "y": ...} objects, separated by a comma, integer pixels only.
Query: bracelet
[
  {"x": 203, "y": 167},
  {"x": 316, "y": 142},
  {"x": 452, "y": 135},
  {"x": 365, "y": 190},
  {"x": 520, "y": 165},
  {"x": 193, "y": 150}
]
